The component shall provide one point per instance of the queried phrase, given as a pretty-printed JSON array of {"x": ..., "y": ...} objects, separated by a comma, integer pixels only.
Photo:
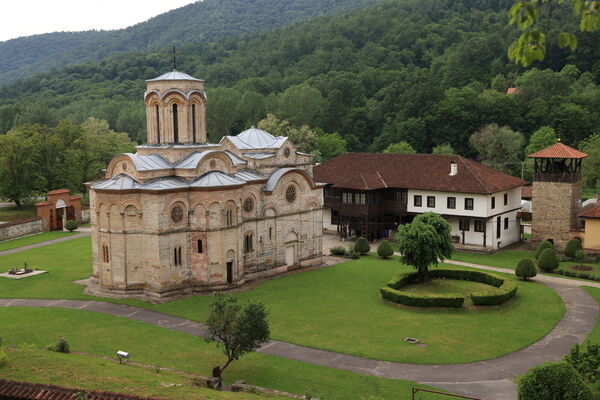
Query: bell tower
[
  {"x": 175, "y": 109},
  {"x": 556, "y": 198}
]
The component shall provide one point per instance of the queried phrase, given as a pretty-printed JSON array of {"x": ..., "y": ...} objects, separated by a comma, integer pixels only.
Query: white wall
[
  {"x": 480, "y": 203},
  {"x": 327, "y": 220}
]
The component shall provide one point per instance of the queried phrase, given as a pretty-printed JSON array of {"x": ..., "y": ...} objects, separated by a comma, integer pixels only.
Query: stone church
[{"x": 183, "y": 215}]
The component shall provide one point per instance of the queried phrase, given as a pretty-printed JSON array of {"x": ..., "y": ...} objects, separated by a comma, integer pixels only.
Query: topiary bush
[
  {"x": 553, "y": 381},
  {"x": 415, "y": 300},
  {"x": 385, "y": 249},
  {"x": 338, "y": 251},
  {"x": 526, "y": 269},
  {"x": 71, "y": 225},
  {"x": 362, "y": 246},
  {"x": 541, "y": 247},
  {"x": 548, "y": 260},
  {"x": 3, "y": 359},
  {"x": 572, "y": 247}
]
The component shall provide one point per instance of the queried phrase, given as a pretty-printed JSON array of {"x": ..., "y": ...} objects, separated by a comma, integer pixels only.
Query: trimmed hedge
[
  {"x": 385, "y": 249},
  {"x": 548, "y": 260},
  {"x": 506, "y": 289},
  {"x": 409, "y": 299},
  {"x": 362, "y": 246},
  {"x": 526, "y": 269}
]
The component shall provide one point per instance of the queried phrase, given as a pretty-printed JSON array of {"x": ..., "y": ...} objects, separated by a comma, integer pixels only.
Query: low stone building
[
  {"x": 58, "y": 209},
  {"x": 183, "y": 215}
]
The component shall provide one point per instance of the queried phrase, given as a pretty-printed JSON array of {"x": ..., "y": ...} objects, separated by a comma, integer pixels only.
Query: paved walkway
[
  {"x": 46, "y": 243},
  {"x": 490, "y": 380}
]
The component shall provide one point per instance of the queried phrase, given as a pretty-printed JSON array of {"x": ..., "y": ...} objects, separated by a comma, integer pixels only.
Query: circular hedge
[{"x": 506, "y": 289}]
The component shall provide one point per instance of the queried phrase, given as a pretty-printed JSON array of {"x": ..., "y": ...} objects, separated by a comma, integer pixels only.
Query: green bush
[
  {"x": 548, "y": 260},
  {"x": 579, "y": 256},
  {"x": 338, "y": 251},
  {"x": 526, "y": 269},
  {"x": 586, "y": 361},
  {"x": 3, "y": 359},
  {"x": 62, "y": 346},
  {"x": 385, "y": 249},
  {"x": 505, "y": 292},
  {"x": 541, "y": 247},
  {"x": 553, "y": 381},
  {"x": 71, "y": 225},
  {"x": 362, "y": 246},
  {"x": 572, "y": 247}
]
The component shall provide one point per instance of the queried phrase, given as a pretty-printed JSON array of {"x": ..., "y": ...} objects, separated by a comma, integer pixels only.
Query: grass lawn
[
  {"x": 337, "y": 308},
  {"x": 450, "y": 286},
  {"x": 33, "y": 239},
  {"x": 12, "y": 214},
  {"x": 47, "y": 367},
  {"x": 509, "y": 258},
  {"x": 103, "y": 335}
]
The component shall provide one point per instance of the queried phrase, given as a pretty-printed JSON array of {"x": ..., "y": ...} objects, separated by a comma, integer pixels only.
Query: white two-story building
[{"x": 371, "y": 194}]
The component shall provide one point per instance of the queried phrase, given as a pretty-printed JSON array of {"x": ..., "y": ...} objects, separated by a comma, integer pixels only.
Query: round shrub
[
  {"x": 71, "y": 225},
  {"x": 572, "y": 247},
  {"x": 526, "y": 269},
  {"x": 362, "y": 246},
  {"x": 543, "y": 246},
  {"x": 580, "y": 257},
  {"x": 385, "y": 249},
  {"x": 3, "y": 359},
  {"x": 548, "y": 260},
  {"x": 553, "y": 381}
]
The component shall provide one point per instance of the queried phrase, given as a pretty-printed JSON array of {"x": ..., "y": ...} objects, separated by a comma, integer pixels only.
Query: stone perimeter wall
[{"x": 26, "y": 227}]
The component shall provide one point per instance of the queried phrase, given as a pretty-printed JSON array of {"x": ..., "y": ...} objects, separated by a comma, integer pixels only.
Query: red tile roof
[
  {"x": 558, "y": 150},
  {"x": 512, "y": 90},
  {"x": 526, "y": 192},
  {"x": 33, "y": 391},
  {"x": 592, "y": 212},
  {"x": 370, "y": 171}
]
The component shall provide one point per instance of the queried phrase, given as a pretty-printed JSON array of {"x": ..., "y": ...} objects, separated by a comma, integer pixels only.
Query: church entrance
[
  {"x": 229, "y": 272},
  {"x": 290, "y": 255}
]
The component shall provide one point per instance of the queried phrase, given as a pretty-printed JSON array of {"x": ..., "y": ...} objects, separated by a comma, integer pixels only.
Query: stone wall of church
[{"x": 141, "y": 243}]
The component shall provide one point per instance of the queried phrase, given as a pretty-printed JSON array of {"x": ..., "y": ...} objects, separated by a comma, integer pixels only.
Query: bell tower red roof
[{"x": 559, "y": 150}]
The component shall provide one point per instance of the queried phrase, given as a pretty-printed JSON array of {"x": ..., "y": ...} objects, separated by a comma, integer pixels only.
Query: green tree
[
  {"x": 222, "y": 112},
  {"x": 362, "y": 246},
  {"x": 553, "y": 381},
  {"x": 302, "y": 105},
  {"x": 304, "y": 138},
  {"x": 591, "y": 170},
  {"x": 400, "y": 147},
  {"x": 548, "y": 260},
  {"x": 443, "y": 149},
  {"x": 237, "y": 329},
  {"x": 541, "y": 247},
  {"x": 19, "y": 175},
  {"x": 540, "y": 139},
  {"x": 530, "y": 46},
  {"x": 526, "y": 269},
  {"x": 500, "y": 148},
  {"x": 425, "y": 242},
  {"x": 572, "y": 247},
  {"x": 330, "y": 145}
]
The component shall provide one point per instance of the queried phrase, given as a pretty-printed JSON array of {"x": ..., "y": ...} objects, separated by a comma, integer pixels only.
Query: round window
[
  {"x": 290, "y": 194},
  {"x": 286, "y": 152},
  {"x": 248, "y": 204},
  {"x": 177, "y": 214}
]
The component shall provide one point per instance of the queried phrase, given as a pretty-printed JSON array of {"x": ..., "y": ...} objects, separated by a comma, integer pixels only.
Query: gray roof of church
[
  {"x": 216, "y": 179},
  {"x": 255, "y": 138},
  {"x": 258, "y": 156},
  {"x": 174, "y": 76},
  {"x": 191, "y": 161},
  {"x": 149, "y": 163}
]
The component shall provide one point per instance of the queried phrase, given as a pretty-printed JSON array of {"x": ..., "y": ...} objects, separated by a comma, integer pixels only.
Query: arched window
[
  {"x": 194, "y": 122},
  {"x": 200, "y": 249},
  {"x": 177, "y": 255},
  {"x": 157, "y": 124},
  {"x": 175, "y": 124},
  {"x": 105, "y": 255},
  {"x": 270, "y": 233},
  {"x": 248, "y": 243},
  {"x": 229, "y": 217}
]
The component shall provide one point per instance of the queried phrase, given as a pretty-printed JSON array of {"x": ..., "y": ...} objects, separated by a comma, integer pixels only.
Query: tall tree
[
  {"x": 302, "y": 105},
  {"x": 500, "y": 148},
  {"x": 591, "y": 164},
  {"x": 330, "y": 145},
  {"x": 425, "y": 242},
  {"x": 19, "y": 175}
]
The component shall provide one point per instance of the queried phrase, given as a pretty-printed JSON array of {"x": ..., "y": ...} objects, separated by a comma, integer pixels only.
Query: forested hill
[
  {"x": 427, "y": 72},
  {"x": 203, "y": 21}
]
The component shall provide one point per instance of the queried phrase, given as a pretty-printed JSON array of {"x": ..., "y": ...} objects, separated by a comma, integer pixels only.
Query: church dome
[{"x": 175, "y": 76}]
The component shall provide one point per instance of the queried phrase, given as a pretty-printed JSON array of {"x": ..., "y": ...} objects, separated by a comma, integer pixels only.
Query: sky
[{"x": 32, "y": 17}]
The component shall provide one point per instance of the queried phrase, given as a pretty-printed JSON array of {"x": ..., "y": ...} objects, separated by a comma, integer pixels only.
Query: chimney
[{"x": 453, "y": 169}]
